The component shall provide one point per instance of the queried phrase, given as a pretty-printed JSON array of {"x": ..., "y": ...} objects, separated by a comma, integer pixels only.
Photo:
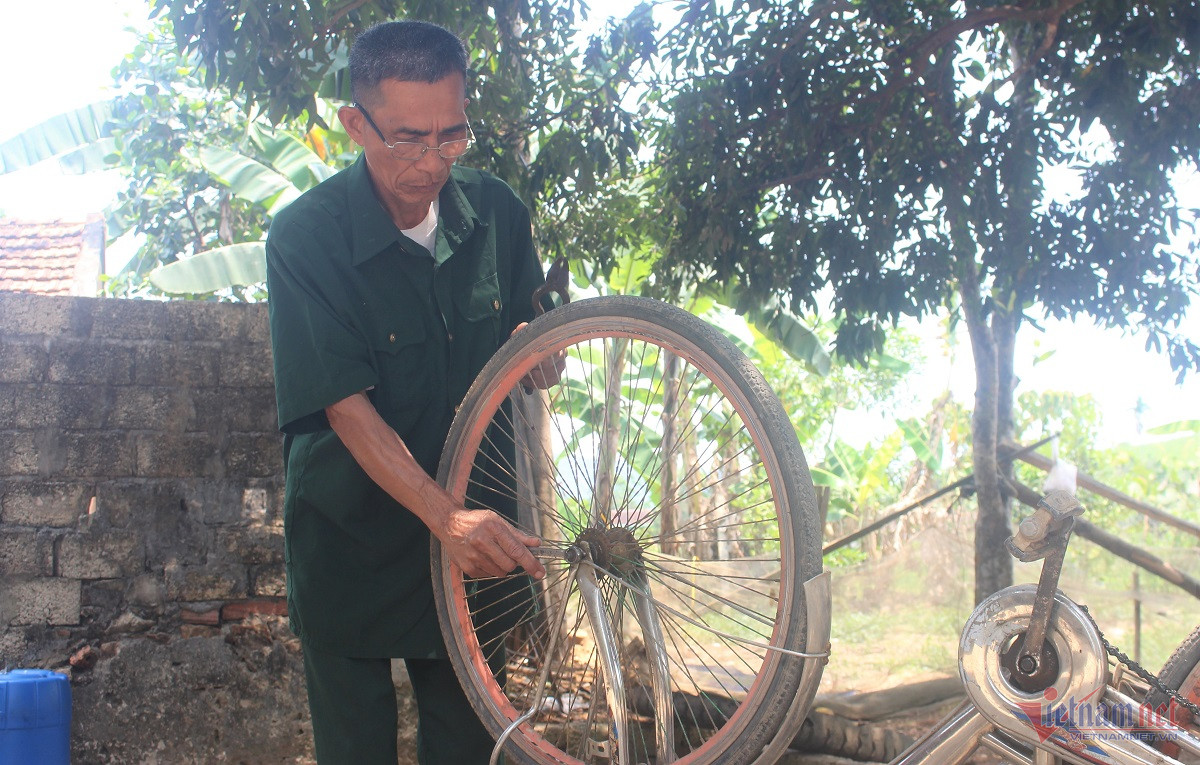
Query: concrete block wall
[{"x": 141, "y": 541}]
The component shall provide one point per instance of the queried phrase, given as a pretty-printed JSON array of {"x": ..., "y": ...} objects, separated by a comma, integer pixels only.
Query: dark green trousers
[{"x": 353, "y": 706}]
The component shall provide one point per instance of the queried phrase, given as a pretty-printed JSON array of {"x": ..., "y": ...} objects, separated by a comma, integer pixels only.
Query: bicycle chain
[{"x": 1141, "y": 671}]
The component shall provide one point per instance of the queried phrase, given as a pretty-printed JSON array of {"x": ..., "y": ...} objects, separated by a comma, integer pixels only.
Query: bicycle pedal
[
  {"x": 1047, "y": 529},
  {"x": 601, "y": 749}
]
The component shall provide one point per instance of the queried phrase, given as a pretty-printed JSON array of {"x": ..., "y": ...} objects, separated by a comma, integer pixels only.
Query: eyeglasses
[{"x": 411, "y": 151}]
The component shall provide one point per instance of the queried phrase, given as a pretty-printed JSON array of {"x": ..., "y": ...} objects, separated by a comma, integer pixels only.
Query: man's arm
[{"x": 480, "y": 542}]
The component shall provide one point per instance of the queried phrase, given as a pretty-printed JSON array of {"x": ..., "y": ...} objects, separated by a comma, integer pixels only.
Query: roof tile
[{"x": 54, "y": 257}]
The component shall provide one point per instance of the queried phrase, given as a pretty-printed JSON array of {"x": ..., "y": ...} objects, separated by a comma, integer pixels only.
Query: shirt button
[
  {"x": 450, "y": 336},
  {"x": 392, "y": 338},
  {"x": 495, "y": 305}
]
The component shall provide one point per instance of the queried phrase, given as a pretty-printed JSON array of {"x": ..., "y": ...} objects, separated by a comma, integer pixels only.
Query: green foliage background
[{"x": 825, "y": 171}]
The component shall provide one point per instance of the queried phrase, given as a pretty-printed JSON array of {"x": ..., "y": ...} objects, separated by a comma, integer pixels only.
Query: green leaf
[
  {"x": 60, "y": 135},
  {"x": 249, "y": 179},
  {"x": 1180, "y": 426},
  {"x": 891, "y": 363},
  {"x": 336, "y": 85},
  {"x": 91, "y": 157},
  {"x": 291, "y": 157},
  {"x": 822, "y": 477},
  {"x": 236, "y": 265},
  {"x": 777, "y": 324},
  {"x": 630, "y": 270},
  {"x": 798, "y": 340},
  {"x": 917, "y": 440}
]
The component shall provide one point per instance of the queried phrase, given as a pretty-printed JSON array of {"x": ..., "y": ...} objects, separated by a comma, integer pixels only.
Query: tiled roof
[{"x": 57, "y": 257}]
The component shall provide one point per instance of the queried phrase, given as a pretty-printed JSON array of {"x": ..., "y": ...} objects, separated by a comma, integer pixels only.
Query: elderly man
[{"x": 391, "y": 284}]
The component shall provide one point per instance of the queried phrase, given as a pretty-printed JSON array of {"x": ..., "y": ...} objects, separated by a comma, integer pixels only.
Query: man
[{"x": 390, "y": 285}]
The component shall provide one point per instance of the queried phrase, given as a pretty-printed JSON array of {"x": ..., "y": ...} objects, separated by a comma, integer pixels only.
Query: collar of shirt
[{"x": 374, "y": 231}]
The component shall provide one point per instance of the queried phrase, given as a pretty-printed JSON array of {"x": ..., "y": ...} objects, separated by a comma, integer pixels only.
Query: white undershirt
[{"x": 425, "y": 232}]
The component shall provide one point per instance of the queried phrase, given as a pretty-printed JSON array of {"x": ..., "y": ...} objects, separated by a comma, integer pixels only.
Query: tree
[
  {"x": 889, "y": 157},
  {"x": 160, "y": 127},
  {"x": 549, "y": 121},
  {"x": 203, "y": 174}
]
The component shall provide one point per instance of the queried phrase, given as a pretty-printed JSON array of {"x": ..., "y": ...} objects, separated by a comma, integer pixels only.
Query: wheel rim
[
  {"x": 1190, "y": 690},
  {"x": 715, "y": 576}
]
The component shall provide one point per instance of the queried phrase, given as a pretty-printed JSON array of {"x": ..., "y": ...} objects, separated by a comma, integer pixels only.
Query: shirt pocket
[
  {"x": 404, "y": 364},
  {"x": 480, "y": 306}
]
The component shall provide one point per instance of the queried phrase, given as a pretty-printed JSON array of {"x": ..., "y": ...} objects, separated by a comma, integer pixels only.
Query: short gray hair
[{"x": 409, "y": 51}]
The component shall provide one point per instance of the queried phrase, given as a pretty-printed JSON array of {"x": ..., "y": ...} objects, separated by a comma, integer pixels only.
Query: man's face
[{"x": 418, "y": 112}]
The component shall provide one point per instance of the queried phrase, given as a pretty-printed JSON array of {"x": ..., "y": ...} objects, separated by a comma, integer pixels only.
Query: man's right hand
[{"x": 482, "y": 543}]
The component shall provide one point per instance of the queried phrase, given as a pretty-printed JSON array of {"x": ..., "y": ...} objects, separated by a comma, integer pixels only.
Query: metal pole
[{"x": 1137, "y": 619}]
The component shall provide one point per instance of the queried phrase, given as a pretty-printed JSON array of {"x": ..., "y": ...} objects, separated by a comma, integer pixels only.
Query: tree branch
[
  {"x": 349, "y": 7},
  {"x": 908, "y": 67}
]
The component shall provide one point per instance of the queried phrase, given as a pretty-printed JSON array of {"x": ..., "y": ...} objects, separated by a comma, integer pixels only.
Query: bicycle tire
[
  {"x": 1180, "y": 673},
  {"x": 499, "y": 666}
]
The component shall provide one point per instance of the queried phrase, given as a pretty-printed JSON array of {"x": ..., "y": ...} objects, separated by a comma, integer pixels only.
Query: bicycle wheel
[
  {"x": 1180, "y": 673},
  {"x": 660, "y": 450}
]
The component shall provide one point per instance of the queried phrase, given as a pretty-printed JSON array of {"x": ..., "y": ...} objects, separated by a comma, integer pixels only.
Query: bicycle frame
[
  {"x": 1064, "y": 711},
  {"x": 993, "y": 716}
]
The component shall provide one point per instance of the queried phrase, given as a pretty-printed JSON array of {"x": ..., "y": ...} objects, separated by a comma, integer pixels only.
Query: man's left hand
[{"x": 548, "y": 372}]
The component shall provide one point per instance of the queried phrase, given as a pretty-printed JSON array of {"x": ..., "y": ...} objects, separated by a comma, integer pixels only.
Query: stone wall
[{"x": 141, "y": 545}]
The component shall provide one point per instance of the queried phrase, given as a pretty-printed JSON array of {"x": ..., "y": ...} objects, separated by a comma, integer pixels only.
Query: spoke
[
  {"x": 761, "y": 618},
  {"x": 738, "y": 650},
  {"x": 556, "y": 421},
  {"x": 552, "y": 513},
  {"x": 769, "y": 524},
  {"x": 561, "y": 489},
  {"x": 736, "y": 511},
  {"x": 695, "y": 470},
  {"x": 547, "y": 457},
  {"x": 698, "y": 490},
  {"x": 628, "y": 443},
  {"x": 702, "y": 653},
  {"x": 567, "y": 650},
  {"x": 522, "y": 602},
  {"x": 735, "y": 580},
  {"x": 680, "y": 439}
]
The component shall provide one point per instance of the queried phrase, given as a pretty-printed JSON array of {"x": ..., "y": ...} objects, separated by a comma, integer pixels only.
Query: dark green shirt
[{"x": 355, "y": 305}]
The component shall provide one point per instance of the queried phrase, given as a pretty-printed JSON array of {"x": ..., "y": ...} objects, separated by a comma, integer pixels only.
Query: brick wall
[{"x": 140, "y": 526}]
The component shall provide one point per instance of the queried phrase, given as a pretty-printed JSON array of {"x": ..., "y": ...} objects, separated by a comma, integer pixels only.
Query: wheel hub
[
  {"x": 615, "y": 549},
  {"x": 1029, "y": 674}
]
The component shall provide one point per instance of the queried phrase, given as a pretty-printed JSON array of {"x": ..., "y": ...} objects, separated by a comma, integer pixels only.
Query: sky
[
  {"x": 72, "y": 67},
  {"x": 50, "y": 72}
]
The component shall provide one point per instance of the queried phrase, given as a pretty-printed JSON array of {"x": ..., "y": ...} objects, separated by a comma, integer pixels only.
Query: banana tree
[
  {"x": 291, "y": 167},
  {"x": 83, "y": 141}
]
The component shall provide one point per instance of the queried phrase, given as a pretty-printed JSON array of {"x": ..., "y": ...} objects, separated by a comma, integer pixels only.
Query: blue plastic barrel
[{"x": 35, "y": 718}]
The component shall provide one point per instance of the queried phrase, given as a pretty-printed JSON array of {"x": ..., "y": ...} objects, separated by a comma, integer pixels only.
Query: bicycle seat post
[{"x": 1043, "y": 535}]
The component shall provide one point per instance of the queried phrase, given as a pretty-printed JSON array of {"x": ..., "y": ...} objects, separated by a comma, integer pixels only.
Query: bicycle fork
[
  {"x": 608, "y": 647},
  {"x": 617, "y": 747},
  {"x": 582, "y": 573}
]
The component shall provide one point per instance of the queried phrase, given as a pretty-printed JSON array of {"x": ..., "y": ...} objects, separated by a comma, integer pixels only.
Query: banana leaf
[
  {"x": 289, "y": 156},
  {"x": 56, "y": 137},
  {"x": 236, "y": 265},
  {"x": 796, "y": 339},
  {"x": 249, "y": 179}
]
